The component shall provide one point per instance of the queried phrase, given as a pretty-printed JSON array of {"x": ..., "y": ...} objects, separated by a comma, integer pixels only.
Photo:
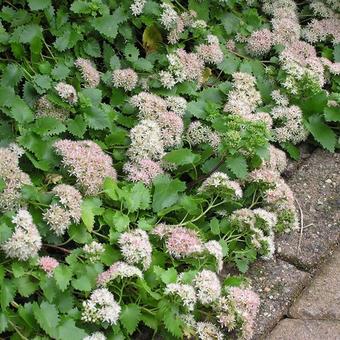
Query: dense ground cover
[{"x": 141, "y": 148}]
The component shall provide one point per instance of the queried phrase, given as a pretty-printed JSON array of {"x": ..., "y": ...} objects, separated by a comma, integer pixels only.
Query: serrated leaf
[
  {"x": 166, "y": 192},
  {"x": 20, "y": 111},
  {"x": 77, "y": 126},
  {"x": 48, "y": 126},
  {"x": 62, "y": 275},
  {"x": 3, "y": 322},
  {"x": 332, "y": 114},
  {"x": 314, "y": 104},
  {"x": 60, "y": 72},
  {"x": 238, "y": 166},
  {"x": 69, "y": 330},
  {"x": 11, "y": 76},
  {"x": 143, "y": 65},
  {"x": 36, "y": 5},
  {"x": 172, "y": 322},
  {"x": 130, "y": 317},
  {"x": 89, "y": 209},
  {"x": 138, "y": 197},
  {"x": 7, "y": 293},
  {"x": 82, "y": 283},
  {"x": 105, "y": 25},
  {"x": 169, "y": 276},
  {"x": 322, "y": 132},
  {"x": 26, "y": 286},
  {"x": 181, "y": 157},
  {"x": 120, "y": 221},
  {"x": 292, "y": 150},
  {"x": 131, "y": 52},
  {"x": 47, "y": 316}
]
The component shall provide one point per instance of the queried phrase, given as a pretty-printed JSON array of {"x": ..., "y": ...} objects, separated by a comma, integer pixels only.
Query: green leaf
[
  {"x": 26, "y": 286},
  {"x": 69, "y": 330},
  {"x": 62, "y": 275},
  {"x": 11, "y": 76},
  {"x": 169, "y": 276},
  {"x": 106, "y": 25},
  {"x": 20, "y": 111},
  {"x": 332, "y": 114},
  {"x": 322, "y": 132},
  {"x": 7, "y": 293},
  {"x": 314, "y": 104},
  {"x": 214, "y": 226},
  {"x": 47, "y": 316},
  {"x": 131, "y": 53},
  {"x": 48, "y": 126},
  {"x": 138, "y": 197},
  {"x": 82, "y": 283},
  {"x": 120, "y": 221},
  {"x": 36, "y": 5},
  {"x": 292, "y": 150},
  {"x": 229, "y": 64},
  {"x": 3, "y": 322},
  {"x": 181, "y": 157},
  {"x": 111, "y": 189},
  {"x": 336, "y": 53},
  {"x": 173, "y": 322},
  {"x": 42, "y": 83},
  {"x": 89, "y": 209},
  {"x": 77, "y": 126},
  {"x": 238, "y": 166},
  {"x": 166, "y": 192},
  {"x": 60, "y": 72},
  {"x": 130, "y": 317}
]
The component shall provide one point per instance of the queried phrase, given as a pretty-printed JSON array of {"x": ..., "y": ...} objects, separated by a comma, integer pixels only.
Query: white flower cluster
[
  {"x": 289, "y": 124},
  {"x": 198, "y": 133},
  {"x": 137, "y": 7},
  {"x": 185, "y": 292},
  {"x": 146, "y": 141},
  {"x": 220, "y": 184},
  {"x": 208, "y": 286},
  {"x": 215, "y": 249},
  {"x": 25, "y": 242},
  {"x": 101, "y": 307},
  {"x": 260, "y": 223},
  {"x": 127, "y": 79},
  {"x": 95, "y": 336},
  {"x": 60, "y": 215},
  {"x": 136, "y": 248},
  {"x": 13, "y": 176},
  {"x": 93, "y": 251},
  {"x": 67, "y": 92},
  {"x": 243, "y": 98}
]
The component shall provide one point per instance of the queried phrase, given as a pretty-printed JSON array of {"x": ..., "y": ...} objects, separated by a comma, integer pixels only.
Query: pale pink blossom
[{"x": 48, "y": 264}]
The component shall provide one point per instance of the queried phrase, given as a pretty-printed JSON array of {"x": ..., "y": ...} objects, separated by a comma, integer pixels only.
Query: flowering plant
[{"x": 137, "y": 157}]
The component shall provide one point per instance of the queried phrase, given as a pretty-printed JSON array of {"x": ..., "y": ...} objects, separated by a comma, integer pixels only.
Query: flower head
[
  {"x": 48, "y": 264},
  {"x": 136, "y": 248},
  {"x": 94, "y": 250},
  {"x": 127, "y": 79},
  {"x": 67, "y": 92},
  {"x": 87, "y": 162},
  {"x": 88, "y": 71},
  {"x": 101, "y": 307},
  {"x": 208, "y": 286},
  {"x": 144, "y": 170},
  {"x": 184, "y": 291},
  {"x": 118, "y": 270},
  {"x": 25, "y": 242}
]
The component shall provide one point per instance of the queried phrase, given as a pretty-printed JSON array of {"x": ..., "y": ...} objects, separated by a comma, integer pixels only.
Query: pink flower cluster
[
  {"x": 88, "y": 71},
  {"x": 87, "y": 162},
  {"x": 144, "y": 170},
  {"x": 260, "y": 42},
  {"x": 48, "y": 264},
  {"x": 67, "y": 92}
]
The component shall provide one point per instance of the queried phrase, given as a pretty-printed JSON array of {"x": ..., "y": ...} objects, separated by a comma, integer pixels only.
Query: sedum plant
[{"x": 141, "y": 151}]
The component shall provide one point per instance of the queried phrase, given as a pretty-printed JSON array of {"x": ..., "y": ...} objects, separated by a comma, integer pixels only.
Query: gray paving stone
[
  {"x": 278, "y": 283},
  {"x": 293, "y": 329},
  {"x": 321, "y": 300},
  {"x": 316, "y": 185}
]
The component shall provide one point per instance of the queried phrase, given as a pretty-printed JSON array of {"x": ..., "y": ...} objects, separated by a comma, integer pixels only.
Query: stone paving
[{"x": 314, "y": 314}]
